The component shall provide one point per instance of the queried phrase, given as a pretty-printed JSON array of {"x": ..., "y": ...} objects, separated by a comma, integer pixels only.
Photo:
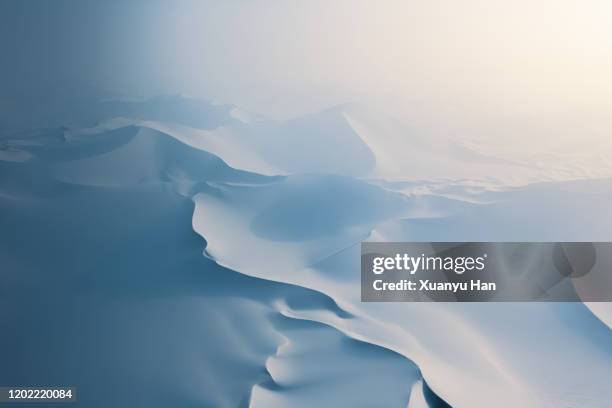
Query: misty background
[{"x": 475, "y": 67}]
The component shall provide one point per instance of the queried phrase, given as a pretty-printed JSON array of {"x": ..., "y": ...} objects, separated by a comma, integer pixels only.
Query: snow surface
[{"x": 189, "y": 254}]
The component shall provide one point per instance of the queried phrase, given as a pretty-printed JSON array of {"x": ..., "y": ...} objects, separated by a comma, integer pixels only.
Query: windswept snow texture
[{"x": 174, "y": 252}]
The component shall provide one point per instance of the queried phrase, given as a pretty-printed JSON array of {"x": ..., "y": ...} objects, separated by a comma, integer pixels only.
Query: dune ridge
[{"x": 261, "y": 221}]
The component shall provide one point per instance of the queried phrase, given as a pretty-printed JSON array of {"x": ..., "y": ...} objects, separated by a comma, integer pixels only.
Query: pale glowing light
[{"x": 465, "y": 58}]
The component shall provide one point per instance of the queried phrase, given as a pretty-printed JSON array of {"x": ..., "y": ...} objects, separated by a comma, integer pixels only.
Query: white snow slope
[{"x": 188, "y": 262}]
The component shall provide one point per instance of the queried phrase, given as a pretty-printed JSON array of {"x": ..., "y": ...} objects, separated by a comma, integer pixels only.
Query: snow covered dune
[{"x": 184, "y": 253}]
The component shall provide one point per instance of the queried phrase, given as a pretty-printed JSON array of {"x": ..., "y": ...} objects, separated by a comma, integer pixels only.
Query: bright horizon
[
  {"x": 497, "y": 58},
  {"x": 432, "y": 61}
]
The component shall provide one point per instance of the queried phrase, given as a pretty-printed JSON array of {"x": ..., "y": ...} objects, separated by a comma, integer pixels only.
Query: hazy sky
[{"x": 285, "y": 57}]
